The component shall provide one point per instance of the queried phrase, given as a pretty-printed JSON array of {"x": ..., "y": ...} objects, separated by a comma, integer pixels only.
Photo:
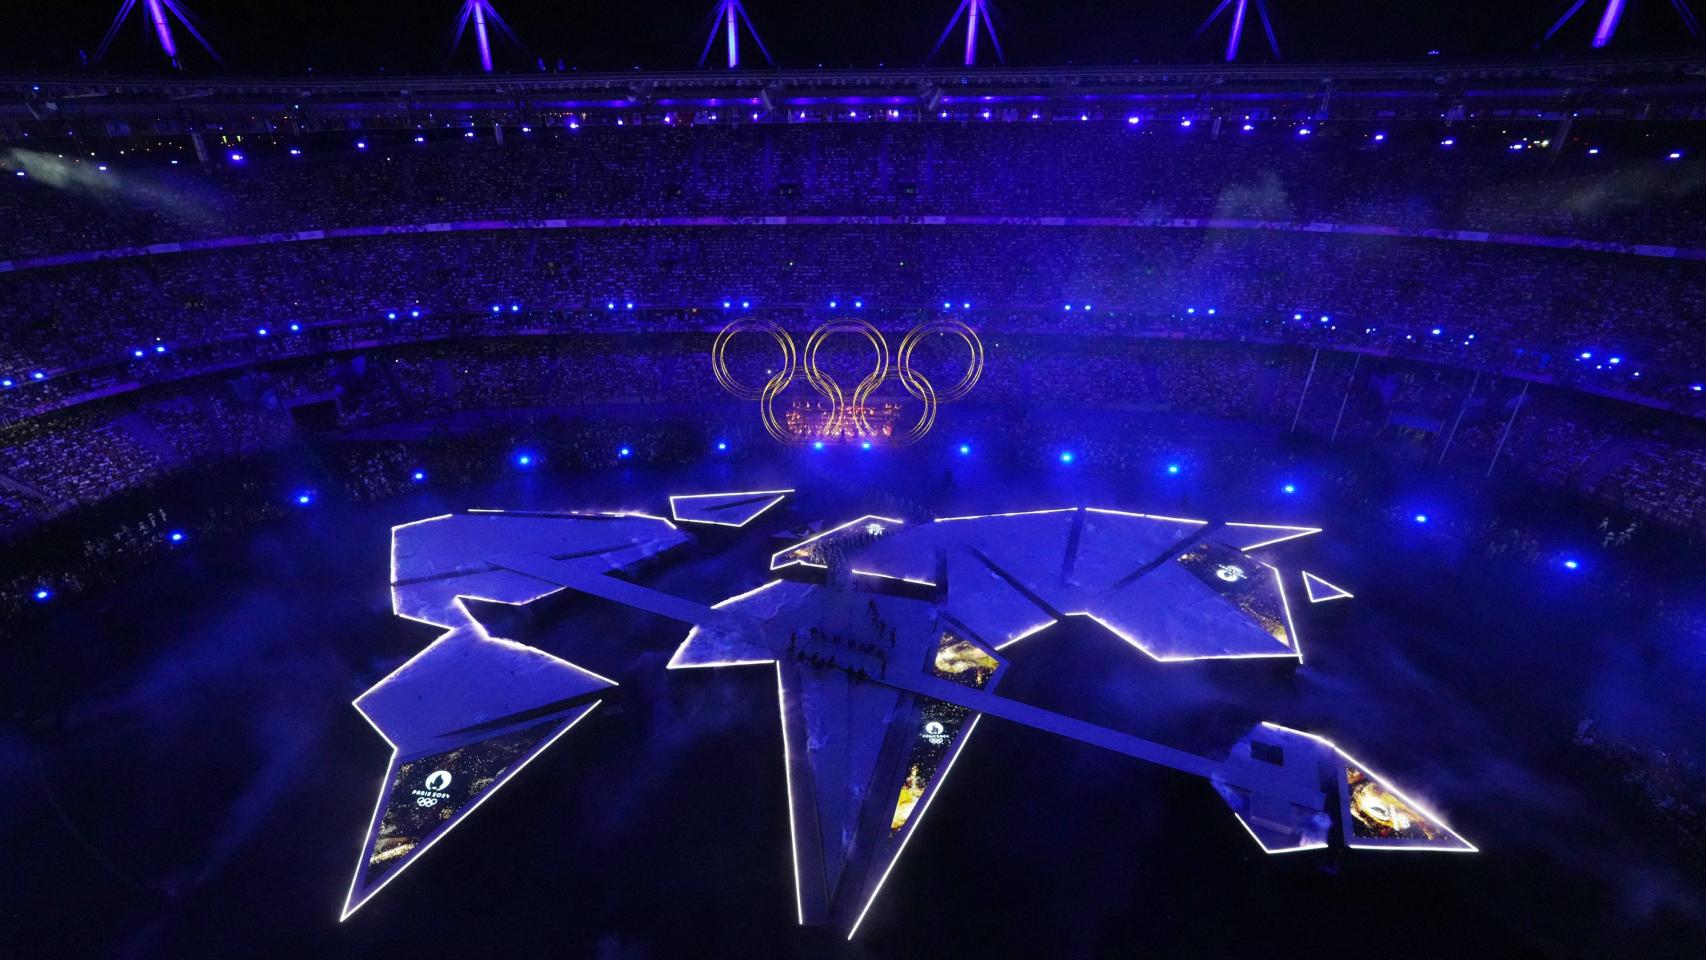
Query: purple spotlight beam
[
  {"x": 483, "y": 15},
  {"x": 726, "y": 18},
  {"x": 1240, "y": 13},
  {"x": 160, "y": 14},
  {"x": 976, "y": 12},
  {"x": 1606, "y": 29}
]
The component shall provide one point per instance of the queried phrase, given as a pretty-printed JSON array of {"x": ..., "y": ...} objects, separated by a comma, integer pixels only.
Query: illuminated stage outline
[
  {"x": 1310, "y": 581},
  {"x": 738, "y": 638},
  {"x": 675, "y": 512}
]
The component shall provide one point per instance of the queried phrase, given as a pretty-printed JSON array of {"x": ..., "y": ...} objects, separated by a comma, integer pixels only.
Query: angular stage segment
[
  {"x": 724, "y": 509},
  {"x": 425, "y": 796},
  {"x": 1154, "y": 581},
  {"x": 1371, "y": 813},
  {"x": 1320, "y": 591},
  {"x": 473, "y": 707}
]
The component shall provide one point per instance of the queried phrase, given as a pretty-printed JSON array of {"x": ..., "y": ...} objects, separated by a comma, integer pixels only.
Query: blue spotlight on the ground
[
  {"x": 176, "y": 536},
  {"x": 418, "y": 476},
  {"x": 625, "y": 452},
  {"x": 965, "y": 449},
  {"x": 524, "y": 459},
  {"x": 1571, "y": 565},
  {"x": 1420, "y": 518},
  {"x": 1173, "y": 468},
  {"x": 1290, "y": 488},
  {"x": 865, "y": 445},
  {"x": 817, "y": 444},
  {"x": 304, "y": 498},
  {"x": 1066, "y": 456},
  {"x": 722, "y": 446},
  {"x": 43, "y": 594}
]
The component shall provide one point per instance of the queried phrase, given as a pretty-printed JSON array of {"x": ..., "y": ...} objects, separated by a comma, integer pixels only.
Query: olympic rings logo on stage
[{"x": 848, "y": 414}]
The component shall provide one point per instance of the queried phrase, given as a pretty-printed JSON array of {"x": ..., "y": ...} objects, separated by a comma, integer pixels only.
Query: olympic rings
[{"x": 848, "y": 415}]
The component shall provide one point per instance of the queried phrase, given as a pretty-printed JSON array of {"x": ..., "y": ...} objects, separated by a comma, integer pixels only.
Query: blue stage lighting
[
  {"x": 817, "y": 444},
  {"x": 1421, "y": 518},
  {"x": 1173, "y": 468},
  {"x": 722, "y": 445},
  {"x": 236, "y": 157},
  {"x": 745, "y": 303},
  {"x": 610, "y": 305},
  {"x": 296, "y": 151},
  {"x": 624, "y": 452},
  {"x": 1674, "y": 155},
  {"x": 176, "y": 536},
  {"x": 159, "y": 348},
  {"x": 524, "y": 459},
  {"x": 261, "y": 331},
  {"x": 858, "y": 304},
  {"x": 1436, "y": 331},
  {"x": 1304, "y": 132},
  {"x": 832, "y": 304},
  {"x": 43, "y": 594},
  {"x": 1066, "y": 456},
  {"x": 946, "y": 305},
  {"x": 630, "y": 304},
  {"x": 415, "y": 313},
  {"x": 965, "y": 449},
  {"x": 304, "y": 498},
  {"x": 362, "y": 144},
  {"x": 1297, "y": 316},
  {"x": 138, "y": 354},
  {"x": 1571, "y": 565},
  {"x": 1290, "y": 488},
  {"x": 1696, "y": 388},
  {"x": 391, "y": 315},
  {"x": 1615, "y": 360},
  {"x": 1379, "y": 137},
  {"x": 865, "y": 445},
  {"x": 37, "y": 375},
  {"x": 496, "y": 308},
  {"x": 726, "y": 304},
  {"x": 965, "y": 306},
  {"x": 418, "y": 475},
  {"x": 296, "y": 328},
  {"x": 1447, "y": 142},
  {"x": 7, "y": 382},
  {"x": 1587, "y": 355}
]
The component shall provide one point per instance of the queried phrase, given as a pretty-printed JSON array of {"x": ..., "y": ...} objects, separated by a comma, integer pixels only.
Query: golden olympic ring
[{"x": 849, "y": 414}]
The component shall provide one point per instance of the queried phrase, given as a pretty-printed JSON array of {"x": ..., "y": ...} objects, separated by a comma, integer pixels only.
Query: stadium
[{"x": 511, "y": 479}]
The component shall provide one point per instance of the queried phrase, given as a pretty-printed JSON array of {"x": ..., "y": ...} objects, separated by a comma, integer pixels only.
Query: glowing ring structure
[
  {"x": 841, "y": 411},
  {"x": 765, "y": 395},
  {"x": 919, "y": 386},
  {"x": 826, "y": 385}
]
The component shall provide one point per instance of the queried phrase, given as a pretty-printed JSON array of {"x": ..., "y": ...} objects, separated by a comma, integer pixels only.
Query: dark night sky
[{"x": 363, "y": 36}]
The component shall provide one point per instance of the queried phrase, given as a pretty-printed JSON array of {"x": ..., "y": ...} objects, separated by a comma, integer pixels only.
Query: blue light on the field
[
  {"x": 8, "y": 382},
  {"x": 1615, "y": 360},
  {"x": 524, "y": 459},
  {"x": 1420, "y": 518},
  {"x": 304, "y": 498},
  {"x": 858, "y": 304},
  {"x": 236, "y": 157},
  {"x": 497, "y": 309},
  {"x": 138, "y": 354},
  {"x": 415, "y": 313},
  {"x": 37, "y": 375},
  {"x": 726, "y": 304},
  {"x": 296, "y": 328},
  {"x": 1436, "y": 331},
  {"x": 159, "y": 348},
  {"x": 1290, "y": 488},
  {"x": 832, "y": 304},
  {"x": 965, "y": 449},
  {"x": 1379, "y": 137},
  {"x": 296, "y": 151},
  {"x": 745, "y": 303},
  {"x": 1447, "y": 142},
  {"x": 965, "y": 306},
  {"x": 1173, "y": 468},
  {"x": 865, "y": 445},
  {"x": 946, "y": 305},
  {"x": 624, "y": 452},
  {"x": 1304, "y": 131},
  {"x": 362, "y": 144},
  {"x": 418, "y": 476},
  {"x": 1674, "y": 155},
  {"x": 722, "y": 445},
  {"x": 1698, "y": 387},
  {"x": 260, "y": 331},
  {"x": 629, "y": 305},
  {"x": 176, "y": 536},
  {"x": 610, "y": 305},
  {"x": 43, "y": 594},
  {"x": 1571, "y": 565},
  {"x": 1066, "y": 456},
  {"x": 390, "y": 314},
  {"x": 817, "y": 444}
]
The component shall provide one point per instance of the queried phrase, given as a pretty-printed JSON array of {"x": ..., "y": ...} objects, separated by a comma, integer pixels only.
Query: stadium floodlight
[
  {"x": 1240, "y": 8},
  {"x": 157, "y": 17},
  {"x": 481, "y": 12},
  {"x": 975, "y": 12},
  {"x": 726, "y": 18},
  {"x": 1613, "y": 15}
]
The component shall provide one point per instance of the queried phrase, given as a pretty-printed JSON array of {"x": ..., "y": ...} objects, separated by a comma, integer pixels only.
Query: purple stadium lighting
[
  {"x": 1240, "y": 9},
  {"x": 726, "y": 18},
  {"x": 975, "y": 12},
  {"x": 1613, "y": 15},
  {"x": 481, "y": 12},
  {"x": 162, "y": 24}
]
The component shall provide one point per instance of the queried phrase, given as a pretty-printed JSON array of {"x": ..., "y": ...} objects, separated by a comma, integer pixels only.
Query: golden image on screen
[{"x": 1378, "y": 813}]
